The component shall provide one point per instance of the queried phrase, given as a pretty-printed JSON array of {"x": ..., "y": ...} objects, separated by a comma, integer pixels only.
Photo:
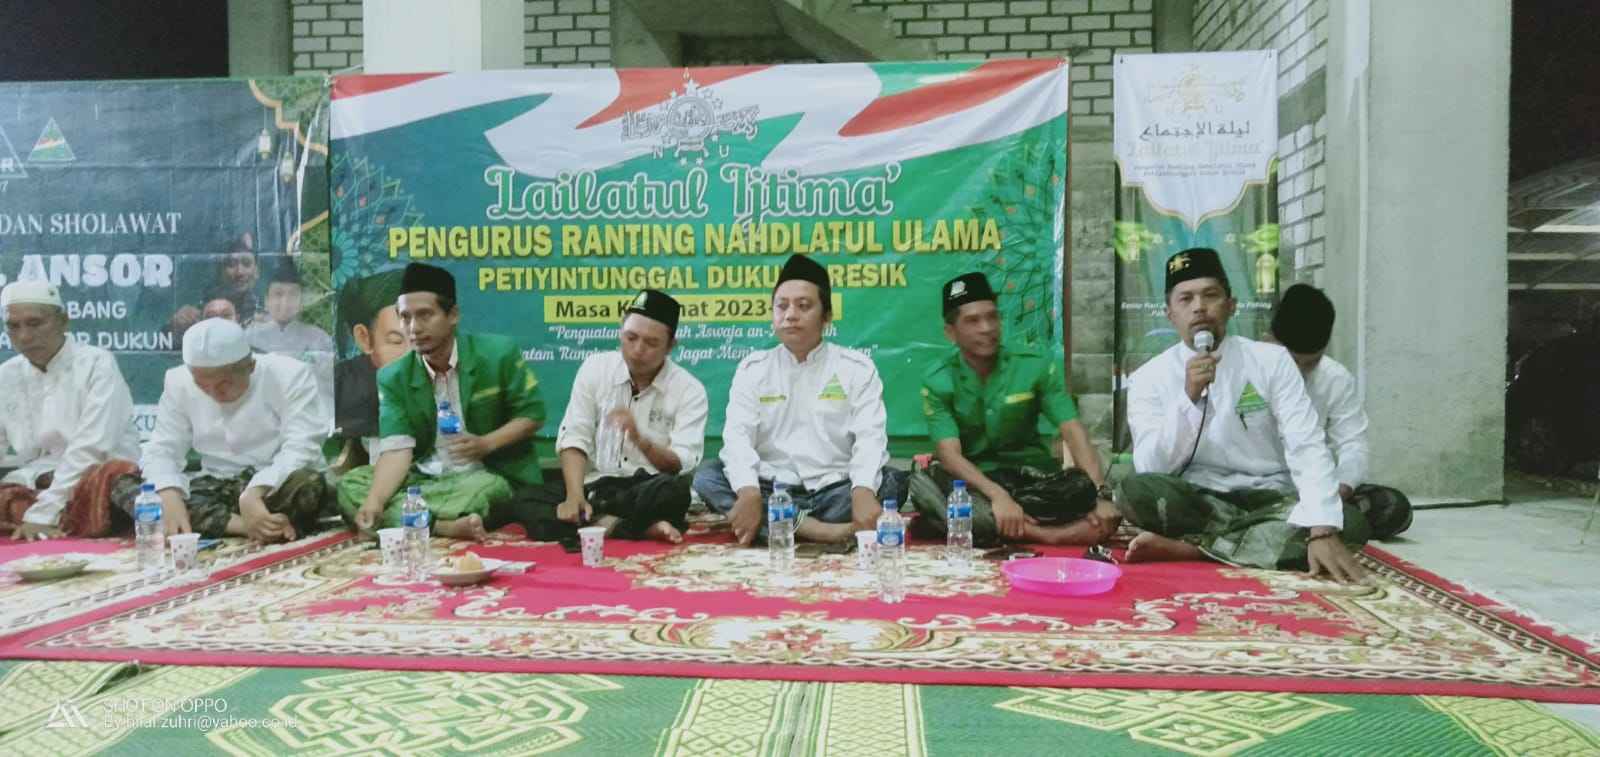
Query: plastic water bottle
[
  {"x": 414, "y": 518},
  {"x": 148, "y": 536},
  {"x": 449, "y": 429},
  {"x": 891, "y": 553},
  {"x": 781, "y": 514},
  {"x": 958, "y": 523}
]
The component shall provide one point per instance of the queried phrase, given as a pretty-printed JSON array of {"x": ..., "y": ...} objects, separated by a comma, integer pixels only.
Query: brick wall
[
  {"x": 567, "y": 33},
  {"x": 556, "y": 33},
  {"x": 1087, "y": 31},
  {"x": 326, "y": 35},
  {"x": 1298, "y": 30}
]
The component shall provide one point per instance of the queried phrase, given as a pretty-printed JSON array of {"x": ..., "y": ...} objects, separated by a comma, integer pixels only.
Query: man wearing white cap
[
  {"x": 257, "y": 423},
  {"x": 66, "y": 411}
]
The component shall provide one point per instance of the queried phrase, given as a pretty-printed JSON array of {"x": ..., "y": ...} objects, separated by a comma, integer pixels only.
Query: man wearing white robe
[
  {"x": 256, "y": 421},
  {"x": 67, "y": 413}
]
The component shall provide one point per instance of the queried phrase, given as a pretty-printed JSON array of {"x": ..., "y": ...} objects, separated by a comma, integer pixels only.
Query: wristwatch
[{"x": 1105, "y": 493}]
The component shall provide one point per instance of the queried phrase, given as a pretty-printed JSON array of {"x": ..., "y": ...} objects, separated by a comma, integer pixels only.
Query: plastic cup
[
  {"x": 866, "y": 549},
  {"x": 185, "y": 553},
  {"x": 392, "y": 542},
  {"x": 593, "y": 541}
]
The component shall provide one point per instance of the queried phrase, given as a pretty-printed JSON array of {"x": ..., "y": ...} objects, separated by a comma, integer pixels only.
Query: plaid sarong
[{"x": 1247, "y": 527}]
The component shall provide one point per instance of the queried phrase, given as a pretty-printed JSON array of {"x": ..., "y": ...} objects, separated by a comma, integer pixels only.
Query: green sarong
[
  {"x": 1248, "y": 528},
  {"x": 451, "y": 496}
]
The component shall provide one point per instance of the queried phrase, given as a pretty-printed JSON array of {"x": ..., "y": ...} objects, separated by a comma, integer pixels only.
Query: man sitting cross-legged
[
  {"x": 485, "y": 381},
  {"x": 1231, "y": 459},
  {"x": 1303, "y": 323},
  {"x": 257, "y": 423},
  {"x": 649, "y": 413},
  {"x": 809, "y": 414},
  {"x": 983, "y": 404},
  {"x": 67, "y": 412}
]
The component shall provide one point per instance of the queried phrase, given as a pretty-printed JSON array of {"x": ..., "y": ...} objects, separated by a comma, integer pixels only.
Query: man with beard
[
  {"x": 1232, "y": 460},
  {"x": 485, "y": 381}
]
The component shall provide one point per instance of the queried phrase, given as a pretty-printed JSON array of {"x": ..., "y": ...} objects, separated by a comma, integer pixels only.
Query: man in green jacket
[
  {"x": 983, "y": 404},
  {"x": 486, "y": 382}
]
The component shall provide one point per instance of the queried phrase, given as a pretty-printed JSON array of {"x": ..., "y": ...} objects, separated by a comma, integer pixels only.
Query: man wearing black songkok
[
  {"x": 1232, "y": 461},
  {"x": 633, "y": 431},
  {"x": 808, "y": 414},
  {"x": 1303, "y": 323},
  {"x": 486, "y": 383}
]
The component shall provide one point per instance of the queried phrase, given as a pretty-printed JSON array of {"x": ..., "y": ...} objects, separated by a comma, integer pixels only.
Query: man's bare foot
[
  {"x": 1153, "y": 547},
  {"x": 812, "y": 529},
  {"x": 469, "y": 528},
  {"x": 663, "y": 531}
]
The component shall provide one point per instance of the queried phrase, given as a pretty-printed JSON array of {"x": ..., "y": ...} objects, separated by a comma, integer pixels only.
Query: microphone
[{"x": 1204, "y": 343}]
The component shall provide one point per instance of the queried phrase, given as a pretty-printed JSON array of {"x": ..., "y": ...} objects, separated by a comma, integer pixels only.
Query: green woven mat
[{"x": 113, "y": 708}]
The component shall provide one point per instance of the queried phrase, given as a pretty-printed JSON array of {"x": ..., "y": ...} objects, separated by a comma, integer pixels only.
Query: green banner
[{"x": 553, "y": 196}]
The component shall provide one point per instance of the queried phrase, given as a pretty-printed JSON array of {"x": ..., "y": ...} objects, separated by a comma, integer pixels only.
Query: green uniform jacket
[
  {"x": 496, "y": 386},
  {"x": 997, "y": 420}
]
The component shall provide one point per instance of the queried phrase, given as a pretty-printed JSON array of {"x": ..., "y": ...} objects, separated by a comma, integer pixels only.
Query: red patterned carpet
[{"x": 708, "y": 609}]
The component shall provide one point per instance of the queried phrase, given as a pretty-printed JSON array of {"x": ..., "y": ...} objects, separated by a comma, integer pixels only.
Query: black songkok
[
  {"x": 1304, "y": 319},
  {"x": 1196, "y": 263},
  {"x": 657, "y": 306}
]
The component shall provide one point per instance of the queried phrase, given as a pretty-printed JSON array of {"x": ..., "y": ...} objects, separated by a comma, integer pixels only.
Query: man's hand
[
  {"x": 175, "y": 516},
  {"x": 1345, "y": 492},
  {"x": 570, "y": 507},
  {"x": 468, "y": 448},
  {"x": 259, "y": 523},
  {"x": 746, "y": 516},
  {"x": 367, "y": 516},
  {"x": 864, "y": 508},
  {"x": 622, "y": 419},
  {"x": 35, "y": 531},
  {"x": 1009, "y": 517},
  {"x": 268, "y": 527},
  {"x": 1202, "y": 370},
  {"x": 1328, "y": 556}
]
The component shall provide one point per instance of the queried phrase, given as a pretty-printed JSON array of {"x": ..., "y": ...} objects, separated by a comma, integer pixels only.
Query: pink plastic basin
[{"x": 1065, "y": 576}]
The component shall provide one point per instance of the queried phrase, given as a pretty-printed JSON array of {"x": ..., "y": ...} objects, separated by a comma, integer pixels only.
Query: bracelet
[{"x": 1328, "y": 535}]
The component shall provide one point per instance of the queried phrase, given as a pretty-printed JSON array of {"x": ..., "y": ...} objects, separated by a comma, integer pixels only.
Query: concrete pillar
[
  {"x": 259, "y": 39},
  {"x": 635, "y": 45},
  {"x": 1418, "y": 107},
  {"x": 1174, "y": 26},
  {"x": 404, "y": 36}
]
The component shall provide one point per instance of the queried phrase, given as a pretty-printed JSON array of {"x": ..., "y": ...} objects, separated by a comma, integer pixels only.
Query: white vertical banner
[
  {"x": 1194, "y": 129},
  {"x": 1196, "y": 140}
]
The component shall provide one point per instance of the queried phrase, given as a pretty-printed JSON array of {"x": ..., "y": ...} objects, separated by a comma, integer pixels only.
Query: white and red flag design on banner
[{"x": 580, "y": 127}]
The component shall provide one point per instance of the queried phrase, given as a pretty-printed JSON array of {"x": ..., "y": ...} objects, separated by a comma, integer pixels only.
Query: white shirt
[
  {"x": 294, "y": 338},
  {"x": 277, "y": 427},
  {"x": 446, "y": 388},
  {"x": 299, "y": 340},
  {"x": 813, "y": 423},
  {"x": 671, "y": 410},
  {"x": 68, "y": 418},
  {"x": 1333, "y": 391},
  {"x": 1266, "y": 438}
]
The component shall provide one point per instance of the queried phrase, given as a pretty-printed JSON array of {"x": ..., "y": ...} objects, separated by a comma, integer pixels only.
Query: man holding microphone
[{"x": 1232, "y": 464}]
